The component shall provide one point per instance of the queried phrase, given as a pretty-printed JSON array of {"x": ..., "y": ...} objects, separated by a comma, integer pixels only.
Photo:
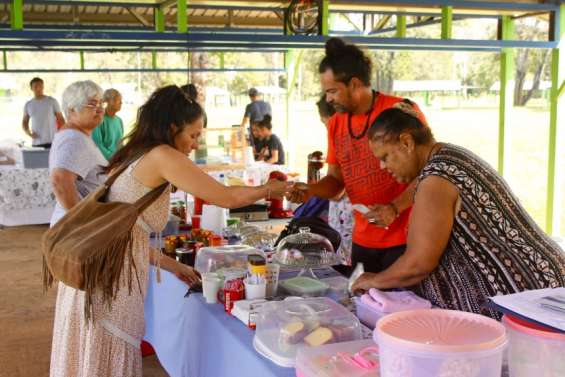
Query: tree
[{"x": 529, "y": 62}]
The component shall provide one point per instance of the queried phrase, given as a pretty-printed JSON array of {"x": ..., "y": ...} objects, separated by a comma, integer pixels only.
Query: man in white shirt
[{"x": 45, "y": 114}]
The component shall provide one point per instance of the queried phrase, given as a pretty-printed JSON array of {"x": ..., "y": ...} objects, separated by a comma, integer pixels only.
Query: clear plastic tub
[
  {"x": 533, "y": 350},
  {"x": 285, "y": 326},
  {"x": 304, "y": 286},
  {"x": 338, "y": 360},
  {"x": 337, "y": 288},
  {"x": 434, "y": 342},
  {"x": 366, "y": 314},
  {"x": 212, "y": 259}
]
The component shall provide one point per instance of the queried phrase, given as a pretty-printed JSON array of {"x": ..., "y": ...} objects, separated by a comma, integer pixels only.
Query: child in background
[
  {"x": 258, "y": 142},
  {"x": 272, "y": 150}
]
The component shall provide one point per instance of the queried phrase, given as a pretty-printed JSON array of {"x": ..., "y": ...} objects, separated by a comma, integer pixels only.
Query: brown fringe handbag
[{"x": 87, "y": 248}]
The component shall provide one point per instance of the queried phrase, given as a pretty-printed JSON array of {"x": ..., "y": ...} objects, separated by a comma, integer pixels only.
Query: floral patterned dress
[{"x": 109, "y": 346}]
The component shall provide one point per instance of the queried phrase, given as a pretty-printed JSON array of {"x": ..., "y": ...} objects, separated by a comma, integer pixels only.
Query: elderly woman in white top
[{"x": 75, "y": 161}]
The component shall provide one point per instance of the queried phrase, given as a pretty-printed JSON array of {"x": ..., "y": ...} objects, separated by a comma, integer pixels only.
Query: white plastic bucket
[
  {"x": 533, "y": 351},
  {"x": 440, "y": 343}
]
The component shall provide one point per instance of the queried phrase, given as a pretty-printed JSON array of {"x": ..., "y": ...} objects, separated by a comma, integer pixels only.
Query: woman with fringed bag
[{"x": 99, "y": 317}]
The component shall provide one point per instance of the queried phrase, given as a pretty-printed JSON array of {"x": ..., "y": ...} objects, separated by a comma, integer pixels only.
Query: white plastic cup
[
  {"x": 255, "y": 291},
  {"x": 211, "y": 284}
]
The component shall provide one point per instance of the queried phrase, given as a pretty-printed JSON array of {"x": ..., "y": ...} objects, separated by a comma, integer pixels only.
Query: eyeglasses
[{"x": 97, "y": 105}]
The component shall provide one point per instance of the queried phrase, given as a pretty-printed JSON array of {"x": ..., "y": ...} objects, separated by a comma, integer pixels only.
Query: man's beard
[{"x": 340, "y": 108}]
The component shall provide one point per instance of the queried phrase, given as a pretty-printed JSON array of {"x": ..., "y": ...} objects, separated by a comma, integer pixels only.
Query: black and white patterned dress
[{"x": 495, "y": 247}]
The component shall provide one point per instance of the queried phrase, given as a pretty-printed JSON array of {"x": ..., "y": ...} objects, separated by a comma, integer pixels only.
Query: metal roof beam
[
  {"x": 225, "y": 39},
  {"x": 245, "y": 47},
  {"x": 460, "y": 4},
  {"x": 127, "y": 18}
]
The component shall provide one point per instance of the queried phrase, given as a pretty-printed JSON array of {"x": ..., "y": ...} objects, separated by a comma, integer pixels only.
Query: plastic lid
[
  {"x": 441, "y": 331},
  {"x": 531, "y": 328},
  {"x": 279, "y": 359},
  {"x": 305, "y": 249}
]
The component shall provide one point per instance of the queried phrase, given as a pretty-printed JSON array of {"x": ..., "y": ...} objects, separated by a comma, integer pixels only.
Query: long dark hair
[{"x": 166, "y": 106}]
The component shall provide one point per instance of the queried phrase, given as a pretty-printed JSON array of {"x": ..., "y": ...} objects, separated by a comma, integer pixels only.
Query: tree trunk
[
  {"x": 521, "y": 71},
  {"x": 537, "y": 79},
  {"x": 385, "y": 78},
  {"x": 199, "y": 60}
]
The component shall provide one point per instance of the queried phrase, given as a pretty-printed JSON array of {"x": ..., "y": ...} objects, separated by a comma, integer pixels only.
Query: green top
[{"x": 108, "y": 134}]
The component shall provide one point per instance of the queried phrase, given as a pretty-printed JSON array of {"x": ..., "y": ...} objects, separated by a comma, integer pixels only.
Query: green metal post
[
  {"x": 159, "y": 20},
  {"x": 557, "y": 84},
  {"x": 17, "y": 14},
  {"x": 222, "y": 60},
  {"x": 446, "y": 22},
  {"x": 5, "y": 59},
  {"x": 182, "y": 17},
  {"x": 506, "y": 89},
  {"x": 325, "y": 17},
  {"x": 160, "y": 28},
  {"x": 81, "y": 54},
  {"x": 400, "y": 26}
]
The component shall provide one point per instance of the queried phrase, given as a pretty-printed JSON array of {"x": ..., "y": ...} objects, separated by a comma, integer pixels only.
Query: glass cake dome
[{"x": 307, "y": 250}]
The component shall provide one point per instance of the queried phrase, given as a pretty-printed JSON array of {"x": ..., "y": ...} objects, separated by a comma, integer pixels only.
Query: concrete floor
[{"x": 26, "y": 313}]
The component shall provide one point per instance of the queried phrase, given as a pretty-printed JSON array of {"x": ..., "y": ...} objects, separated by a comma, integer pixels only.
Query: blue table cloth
[{"x": 195, "y": 339}]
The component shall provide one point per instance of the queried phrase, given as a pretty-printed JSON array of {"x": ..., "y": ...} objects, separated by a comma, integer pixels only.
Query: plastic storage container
[
  {"x": 367, "y": 315},
  {"x": 35, "y": 158},
  {"x": 304, "y": 286},
  {"x": 212, "y": 259},
  {"x": 337, "y": 290},
  {"x": 285, "y": 326},
  {"x": 352, "y": 359},
  {"x": 434, "y": 342},
  {"x": 534, "y": 350}
]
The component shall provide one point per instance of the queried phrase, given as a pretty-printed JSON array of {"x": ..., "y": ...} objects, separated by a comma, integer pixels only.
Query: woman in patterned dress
[
  {"x": 469, "y": 237},
  {"x": 167, "y": 130}
]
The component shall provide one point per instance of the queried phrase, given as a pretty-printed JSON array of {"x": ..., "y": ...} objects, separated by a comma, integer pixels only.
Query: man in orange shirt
[{"x": 379, "y": 236}]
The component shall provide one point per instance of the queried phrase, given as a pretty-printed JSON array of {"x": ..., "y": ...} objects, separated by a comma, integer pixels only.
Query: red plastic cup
[{"x": 195, "y": 222}]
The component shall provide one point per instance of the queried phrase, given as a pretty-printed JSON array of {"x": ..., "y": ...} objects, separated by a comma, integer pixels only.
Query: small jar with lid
[{"x": 257, "y": 265}]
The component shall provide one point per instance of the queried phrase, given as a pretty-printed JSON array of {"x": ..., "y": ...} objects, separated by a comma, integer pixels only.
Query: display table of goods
[
  {"x": 25, "y": 196},
  {"x": 307, "y": 332}
]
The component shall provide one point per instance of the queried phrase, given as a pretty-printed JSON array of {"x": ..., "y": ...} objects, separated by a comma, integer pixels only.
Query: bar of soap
[
  {"x": 322, "y": 335},
  {"x": 293, "y": 332}
]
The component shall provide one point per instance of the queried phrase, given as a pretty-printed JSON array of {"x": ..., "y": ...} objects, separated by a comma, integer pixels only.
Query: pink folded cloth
[{"x": 390, "y": 302}]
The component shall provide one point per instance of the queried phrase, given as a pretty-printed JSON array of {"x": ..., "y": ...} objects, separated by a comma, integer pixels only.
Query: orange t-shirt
[{"x": 365, "y": 182}]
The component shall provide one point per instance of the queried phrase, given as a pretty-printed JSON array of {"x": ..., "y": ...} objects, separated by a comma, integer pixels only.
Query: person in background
[
  {"x": 44, "y": 113},
  {"x": 255, "y": 112},
  {"x": 379, "y": 236},
  {"x": 340, "y": 213},
  {"x": 167, "y": 129},
  {"x": 75, "y": 162},
  {"x": 109, "y": 133},
  {"x": 272, "y": 150},
  {"x": 258, "y": 144},
  {"x": 469, "y": 238}
]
